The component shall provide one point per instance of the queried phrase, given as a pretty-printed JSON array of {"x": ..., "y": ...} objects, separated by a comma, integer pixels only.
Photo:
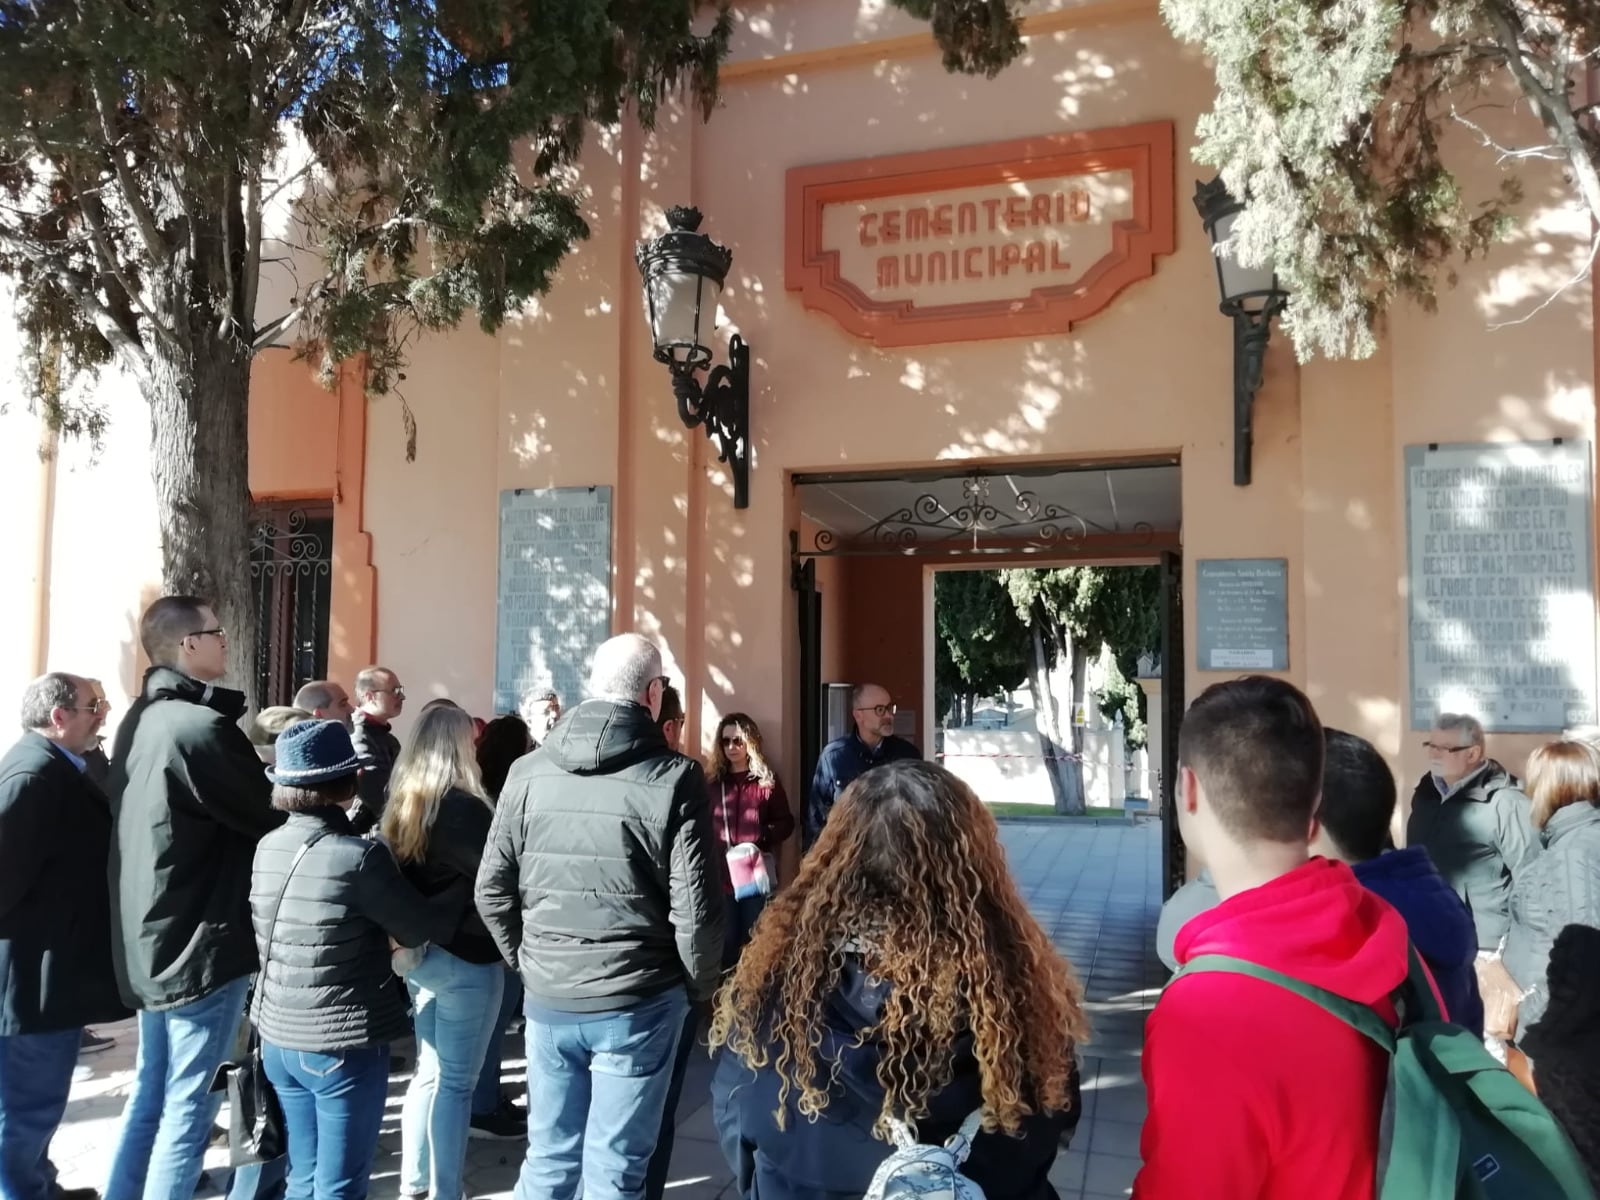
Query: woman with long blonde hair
[
  {"x": 900, "y": 977},
  {"x": 436, "y": 820},
  {"x": 751, "y": 818}
]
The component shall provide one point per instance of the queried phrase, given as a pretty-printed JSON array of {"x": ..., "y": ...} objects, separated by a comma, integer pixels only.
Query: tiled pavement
[{"x": 1094, "y": 887}]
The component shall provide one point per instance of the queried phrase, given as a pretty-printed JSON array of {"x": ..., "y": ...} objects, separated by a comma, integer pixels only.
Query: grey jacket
[
  {"x": 599, "y": 880},
  {"x": 1479, "y": 839},
  {"x": 328, "y": 984},
  {"x": 1559, "y": 888},
  {"x": 377, "y": 748}
]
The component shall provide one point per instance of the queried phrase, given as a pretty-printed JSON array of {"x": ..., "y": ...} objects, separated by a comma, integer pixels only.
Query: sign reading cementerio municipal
[{"x": 1011, "y": 239}]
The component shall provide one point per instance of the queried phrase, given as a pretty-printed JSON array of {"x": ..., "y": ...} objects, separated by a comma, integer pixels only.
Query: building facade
[{"x": 959, "y": 288}]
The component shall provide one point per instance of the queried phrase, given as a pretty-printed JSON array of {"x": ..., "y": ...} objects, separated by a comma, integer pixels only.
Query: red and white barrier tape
[{"x": 1042, "y": 757}]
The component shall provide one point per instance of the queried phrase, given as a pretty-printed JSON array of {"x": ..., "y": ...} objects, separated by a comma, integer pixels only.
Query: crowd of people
[{"x": 329, "y": 890}]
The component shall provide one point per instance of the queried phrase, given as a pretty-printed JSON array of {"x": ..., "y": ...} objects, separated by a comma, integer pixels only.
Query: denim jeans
[
  {"x": 169, "y": 1113},
  {"x": 655, "y": 1180},
  {"x": 739, "y": 921},
  {"x": 456, "y": 1005},
  {"x": 597, "y": 1085},
  {"x": 35, "y": 1079},
  {"x": 332, "y": 1109},
  {"x": 486, "y": 1096}
]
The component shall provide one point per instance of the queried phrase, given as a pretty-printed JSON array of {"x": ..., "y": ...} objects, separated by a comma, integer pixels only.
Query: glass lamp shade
[
  {"x": 682, "y": 271},
  {"x": 1242, "y": 288},
  {"x": 677, "y": 302}
]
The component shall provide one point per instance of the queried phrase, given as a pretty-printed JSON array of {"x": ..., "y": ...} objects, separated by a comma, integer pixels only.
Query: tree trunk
[
  {"x": 199, "y": 462},
  {"x": 1052, "y": 748}
]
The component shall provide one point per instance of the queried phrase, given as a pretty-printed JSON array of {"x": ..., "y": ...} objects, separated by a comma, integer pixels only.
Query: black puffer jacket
[
  {"x": 599, "y": 879},
  {"x": 834, "y": 1156},
  {"x": 191, "y": 801},
  {"x": 455, "y": 851},
  {"x": 328, "y": 983},
  {"x": 377, "y": 748},
  {"x": 1479, "y": 838}
]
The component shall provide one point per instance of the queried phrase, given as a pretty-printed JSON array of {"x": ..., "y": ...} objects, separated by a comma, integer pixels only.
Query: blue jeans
[
  {"x": 332, "y": 1109},
  {"x": 169, "y": 1113},
  {"x": 35, "y": 1079},
  {"x": 486, "y": 1096},
  {"x": 597, "y": 1086},
  {"x": 739, "y": 921},
  {"x": 456, "y": 1004}
]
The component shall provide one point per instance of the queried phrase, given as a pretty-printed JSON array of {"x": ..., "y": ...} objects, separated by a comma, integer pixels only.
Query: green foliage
[
  {"x": 139, "y": 144},
  {"x": 980, "y": 646},
  {"x": 1119, "y": 607},
  {"x": 1342, "y": 124},
  {"x": 1123, "y": 697}
]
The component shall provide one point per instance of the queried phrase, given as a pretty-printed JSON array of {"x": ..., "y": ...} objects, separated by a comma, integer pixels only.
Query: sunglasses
[{"x": 731, "y": 742}]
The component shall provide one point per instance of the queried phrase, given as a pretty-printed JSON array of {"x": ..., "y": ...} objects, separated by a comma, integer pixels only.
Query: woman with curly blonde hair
[{"x": 900, "y": 976}]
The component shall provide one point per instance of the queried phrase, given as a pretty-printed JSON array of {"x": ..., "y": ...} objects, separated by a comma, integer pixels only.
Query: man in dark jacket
[
  {"x": 606, "y": 834},
  {"x": 380, "y": 698},
  {"x": 1476, "y": 824},
  {"x": 191, "y": 802},
  {"x": 871, "y": 743},
  {"x": 55, "y": 923}
]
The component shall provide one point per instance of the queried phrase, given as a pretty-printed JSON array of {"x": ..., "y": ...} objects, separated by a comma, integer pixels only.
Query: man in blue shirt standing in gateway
[{"x": 870, "y": 744}]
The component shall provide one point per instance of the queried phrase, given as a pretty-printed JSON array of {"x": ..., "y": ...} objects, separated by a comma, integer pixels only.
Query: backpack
[
  {"x": 914, "y": 1171},
  {"x": 1457, "y": 1125}
]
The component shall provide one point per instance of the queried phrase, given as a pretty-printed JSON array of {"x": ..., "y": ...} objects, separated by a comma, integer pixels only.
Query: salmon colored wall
[
  {"x": 309, "y": 443},
  {"x": 568, "y": 393},
  {"x": 884, "y": 629}
]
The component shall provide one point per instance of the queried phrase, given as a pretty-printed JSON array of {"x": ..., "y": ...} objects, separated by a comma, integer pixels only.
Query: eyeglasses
[
  {"x": 399, "y": 693},
  {"x": 219, "y": 632},
  {"x": 1437, "y": 748},
  {"x": 732, "y": 742},
  {"x": 98, "y": 707},
  {"x": 883, "y": 710}
]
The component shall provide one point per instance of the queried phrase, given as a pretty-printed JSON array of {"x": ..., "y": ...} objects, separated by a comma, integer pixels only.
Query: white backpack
[{"x": 914, "y": 1171}]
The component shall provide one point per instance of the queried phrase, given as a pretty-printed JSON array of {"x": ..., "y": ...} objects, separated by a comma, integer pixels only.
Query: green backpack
[{"x": 1456, "y": 1123}]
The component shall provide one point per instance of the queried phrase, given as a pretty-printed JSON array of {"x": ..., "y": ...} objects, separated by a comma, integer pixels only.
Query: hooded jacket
[
  {"x": 1439, "y": 924},
  {"x": 834, "y": 1156},
  {"x": 191, "y": 801},
  {"x": 1253, "y": 1092},
  {"x": 1559, "y": 888},
  {"x": 1479, "y": 837},
  {"x": 599, "y": 879}
]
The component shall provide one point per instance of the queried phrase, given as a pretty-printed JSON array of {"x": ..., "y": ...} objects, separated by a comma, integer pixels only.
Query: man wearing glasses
[
  {"x": 1471, "y": 815},
  {"x": 380, "y": 699},
  {"x": 871, "y": 743},
  {"x": 191, "y": 802},
  {"x": 55, "y": 924}
]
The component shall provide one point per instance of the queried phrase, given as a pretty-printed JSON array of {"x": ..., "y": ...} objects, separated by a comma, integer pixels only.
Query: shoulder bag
[{"x": 255, "y": 1118}]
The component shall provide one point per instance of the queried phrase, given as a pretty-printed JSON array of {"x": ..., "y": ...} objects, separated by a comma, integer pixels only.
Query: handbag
[
  {"x": 255, "y": 1118},
  {"x": 747, "y": 866}
]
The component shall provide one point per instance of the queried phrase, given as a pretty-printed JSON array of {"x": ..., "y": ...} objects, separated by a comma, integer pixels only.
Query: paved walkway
[{"x": 1095, "y": 888}]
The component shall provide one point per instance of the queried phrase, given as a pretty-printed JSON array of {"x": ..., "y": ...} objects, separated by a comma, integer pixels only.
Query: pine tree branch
[
  {"x": 100, "y": 239},
  {"x": 1555, "y": 109},
  {"x": 143, "y": 219},
  {"x": 120, "y": 336}
]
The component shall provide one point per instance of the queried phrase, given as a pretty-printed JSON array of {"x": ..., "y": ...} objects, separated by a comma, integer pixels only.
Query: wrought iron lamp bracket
[
  {"x": 722, "y": 406},
  {"x": 1251, "y": 332}
]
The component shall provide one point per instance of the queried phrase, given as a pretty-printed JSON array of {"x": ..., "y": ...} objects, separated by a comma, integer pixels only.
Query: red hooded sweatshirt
[{"x": 1254, "y": 1093}]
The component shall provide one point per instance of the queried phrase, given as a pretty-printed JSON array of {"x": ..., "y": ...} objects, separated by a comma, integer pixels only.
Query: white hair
[
  {"x": 623, "y": 668},
  {"x": 1461, "y": 723}
]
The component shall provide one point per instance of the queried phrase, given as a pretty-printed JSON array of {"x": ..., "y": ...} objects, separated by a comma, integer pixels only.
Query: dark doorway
[{"x": 291, "y": 579}]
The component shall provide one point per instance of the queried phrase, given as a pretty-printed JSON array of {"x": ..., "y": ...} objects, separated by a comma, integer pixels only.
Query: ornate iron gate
[{"x": 291, "y": 578}]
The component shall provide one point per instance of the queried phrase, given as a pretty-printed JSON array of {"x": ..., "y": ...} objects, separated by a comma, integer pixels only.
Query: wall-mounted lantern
[
  {"x": 1252, "y": 297},
  {"x": 683, "y": 270}
]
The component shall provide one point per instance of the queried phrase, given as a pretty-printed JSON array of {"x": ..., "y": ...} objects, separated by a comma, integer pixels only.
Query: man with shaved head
[
  {"x": 326, "y": 701},
  {"x": 607, "y": 834}
]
